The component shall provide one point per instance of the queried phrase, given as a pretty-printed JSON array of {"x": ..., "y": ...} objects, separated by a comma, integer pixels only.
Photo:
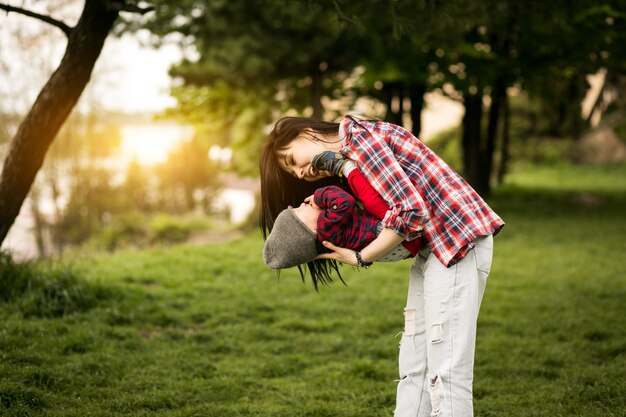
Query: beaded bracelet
[{"x": 360, "y": 262}]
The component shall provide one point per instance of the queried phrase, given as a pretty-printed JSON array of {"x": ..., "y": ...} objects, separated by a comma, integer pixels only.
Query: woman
[{"x": 428, "y": 199}]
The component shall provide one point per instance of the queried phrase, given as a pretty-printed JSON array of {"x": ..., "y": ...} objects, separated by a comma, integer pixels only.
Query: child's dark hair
[{"x": 279, "y": 189}]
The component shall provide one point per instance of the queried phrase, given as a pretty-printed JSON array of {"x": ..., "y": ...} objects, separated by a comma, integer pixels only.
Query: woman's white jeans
[{"x": 437, "y": 348}]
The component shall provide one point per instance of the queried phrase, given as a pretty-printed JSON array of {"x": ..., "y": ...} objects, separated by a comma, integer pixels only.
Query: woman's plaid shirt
[{"x": 424, "y": 193}]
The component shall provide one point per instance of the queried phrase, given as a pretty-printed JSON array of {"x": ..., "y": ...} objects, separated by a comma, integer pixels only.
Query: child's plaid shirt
[
  {"x": 424, "y": 193},
  {"x": 340, "y": 222}
]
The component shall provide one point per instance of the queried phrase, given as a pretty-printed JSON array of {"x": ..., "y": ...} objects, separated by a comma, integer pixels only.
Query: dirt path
[{"x": 214, "y": 236}]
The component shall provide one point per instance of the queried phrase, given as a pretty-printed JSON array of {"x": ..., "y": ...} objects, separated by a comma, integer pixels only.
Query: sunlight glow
[
  {"x": 151, "y": 143},
  {"x": 217, "y": 153}
]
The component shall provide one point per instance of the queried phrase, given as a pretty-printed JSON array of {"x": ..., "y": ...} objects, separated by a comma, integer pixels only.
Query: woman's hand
[{"x": 343, "y": 255}]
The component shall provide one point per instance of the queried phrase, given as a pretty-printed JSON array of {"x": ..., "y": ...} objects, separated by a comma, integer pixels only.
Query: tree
[
  {"x": 55, "y": 101},
  {"x": 398, "y": 56},
  {"x": 254, "y": 60},
  {"x": 93, "y": 201},
  {"x": 545, "y": 48},
  {"x": 258, "y": 59},
  {"x": 188, "y": 177},
  {"x": 593, "y": 37},
  {"x": 79, "y": 155}
]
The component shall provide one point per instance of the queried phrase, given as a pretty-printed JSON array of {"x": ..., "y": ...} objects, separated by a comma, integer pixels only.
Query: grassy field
[{"x": 208, "y": 331}]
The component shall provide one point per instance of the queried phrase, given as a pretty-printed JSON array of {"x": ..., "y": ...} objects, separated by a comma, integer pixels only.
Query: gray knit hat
[{"x": 290, "y": 243}]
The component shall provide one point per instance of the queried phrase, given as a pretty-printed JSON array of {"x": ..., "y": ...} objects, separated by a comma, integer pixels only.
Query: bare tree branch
[
  {"x": 54, "y": 22},
  {"x": 122, "y": 6},
  {"x": 341, "y": 14}
]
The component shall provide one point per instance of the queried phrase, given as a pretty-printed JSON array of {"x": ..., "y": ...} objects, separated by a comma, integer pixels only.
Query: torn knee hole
[
  {"x": 410, "y": 376},
  {"x": 435, "y": 390},
  {"x": 409, "y": 321},
  {"x": 437, "y": 333}
]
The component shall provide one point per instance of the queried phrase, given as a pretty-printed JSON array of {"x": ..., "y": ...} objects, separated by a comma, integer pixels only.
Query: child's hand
[
  {"x": 329, "y": 161},
  {"x": 311, "y": 201}
]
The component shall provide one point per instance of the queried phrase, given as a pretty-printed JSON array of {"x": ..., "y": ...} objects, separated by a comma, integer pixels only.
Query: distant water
[{"x": 21, "y": 238}]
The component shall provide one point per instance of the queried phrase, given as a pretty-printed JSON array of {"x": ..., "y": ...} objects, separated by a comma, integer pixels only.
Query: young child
[{"x": 331, "y": 214}]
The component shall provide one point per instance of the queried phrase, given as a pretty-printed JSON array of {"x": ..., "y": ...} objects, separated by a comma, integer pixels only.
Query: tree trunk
[
  {"x": 316, "y": 94},
  {"x": 576, "y": 93},
  {"x": 416, "y": 94},
  {"x": 400, "y": 97},
  {"x": 504, "y": 152},
  {"x": 486, "y": 165},
  {"x": 394, "y": 92},
  {"x": 471, "y": 139},
  {"x": 53, "y": 105},
  {"x": 39, "y": 224},
  {"x": 388, "y": 93}
]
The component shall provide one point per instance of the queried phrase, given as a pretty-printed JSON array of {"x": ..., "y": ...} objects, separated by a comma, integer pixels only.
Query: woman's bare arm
[{"x": 386, "y": 240}]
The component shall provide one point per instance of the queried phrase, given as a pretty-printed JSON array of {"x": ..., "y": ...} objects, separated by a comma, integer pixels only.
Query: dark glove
[{"x": 329, "y": 161}]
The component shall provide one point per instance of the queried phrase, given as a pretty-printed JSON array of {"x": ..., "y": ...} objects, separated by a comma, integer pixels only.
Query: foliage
[
  {"x": 250, "y": 64},
  {"x": 55, "y": 101},
  {"x": 188, "y": 172},
  {"x": 256, "y": 60},
  {"x": 227, "y": 117},
  {"x": 79, "y": 181},
  {"x": 110, "y": 211},
  {"x": 620, "y": 129},
  {"x": 125, "y": 229},
  {"x": 93, "y": 201},
  {"x": 447, "y": 145},
  {"x": 135, "y": 229},
  {"x": 531, "y": 143},
  {"x": 250, "y": 58},
  {"x": 168, "y": 229},
  {"x": 543, "y": 150},
  {"x": 209, "y": 331},
  {"x": 138, "y": 188}
]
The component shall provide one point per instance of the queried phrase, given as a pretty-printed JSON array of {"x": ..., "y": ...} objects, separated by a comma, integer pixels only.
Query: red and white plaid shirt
[{"x": 424, "y": 193}]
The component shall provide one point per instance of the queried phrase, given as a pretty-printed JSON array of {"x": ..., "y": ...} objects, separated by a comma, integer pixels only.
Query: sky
[
  {"x": 129, "y": 77},
  {"x": 142, "y": 82}
]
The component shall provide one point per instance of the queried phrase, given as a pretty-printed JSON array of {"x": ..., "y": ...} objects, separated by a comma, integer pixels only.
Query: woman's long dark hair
[{"x": 279, "y": 189}]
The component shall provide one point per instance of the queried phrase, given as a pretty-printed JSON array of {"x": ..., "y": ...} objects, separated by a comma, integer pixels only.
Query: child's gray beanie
[{"x": 290, "y": 243}]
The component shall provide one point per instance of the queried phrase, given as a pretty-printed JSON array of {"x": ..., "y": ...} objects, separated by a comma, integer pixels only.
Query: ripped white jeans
[{"x": 437, "y": 349}]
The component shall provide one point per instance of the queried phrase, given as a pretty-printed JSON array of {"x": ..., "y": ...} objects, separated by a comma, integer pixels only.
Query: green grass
[{"x": 208, "y": 331}]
